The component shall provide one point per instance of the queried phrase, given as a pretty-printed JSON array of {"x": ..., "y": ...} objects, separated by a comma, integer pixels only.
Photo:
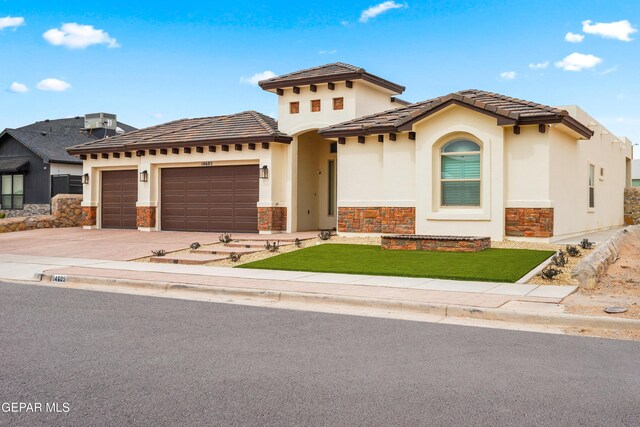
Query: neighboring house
[
  {"x": 635, "y": 173},
  {"x": 35, "y": 165},
  {"x": 347, "y": 154}
]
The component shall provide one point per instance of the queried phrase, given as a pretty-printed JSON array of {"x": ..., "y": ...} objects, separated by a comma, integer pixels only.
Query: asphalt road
[{"x": 130, "y": 360}]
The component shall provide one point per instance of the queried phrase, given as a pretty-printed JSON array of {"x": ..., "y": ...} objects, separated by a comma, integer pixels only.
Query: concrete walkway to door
[{"x": 115, "y": 245}]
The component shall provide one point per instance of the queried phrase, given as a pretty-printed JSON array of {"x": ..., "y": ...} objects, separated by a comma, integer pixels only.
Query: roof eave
[{"x": 305, "y": 81}]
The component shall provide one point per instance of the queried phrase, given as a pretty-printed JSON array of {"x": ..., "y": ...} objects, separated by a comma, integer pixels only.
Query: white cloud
[
  {"x": 376, "y": 10},
  {"x": 18, "y": 87},
  {"x": 508, "y": 75},
  {"x": 539, "y": 65},
  {"x": 573, "y": 37},
  {"x": 578, "y": 61},
  {"x": 76, "y": 36},
  {"x": 619, "y": 30},
  {"x": 53, "y": 85},
  {"x": 327, "y": 52},
  {"x": 157, "y": 115},
  {"x": 11, "y": 22},
  {"x": 345, "y": 23},
  {"x": 253, "y": 80},
  {"x": 609, "y": 70}
]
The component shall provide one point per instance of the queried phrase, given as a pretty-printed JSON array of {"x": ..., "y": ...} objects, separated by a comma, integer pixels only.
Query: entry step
[
  {"x": 226, "y": 250},
  {"x": 188, "y": 259},
  {"x": 255, "y": 243}
]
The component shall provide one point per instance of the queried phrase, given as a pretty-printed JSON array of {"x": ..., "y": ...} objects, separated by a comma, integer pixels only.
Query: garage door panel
[
  {"x": 221, "y": 198},
  {"x": 119, "y": 197}
]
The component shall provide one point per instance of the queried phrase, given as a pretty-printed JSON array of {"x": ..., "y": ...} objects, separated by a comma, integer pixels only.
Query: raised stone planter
[{"x": 436, "y": 243}]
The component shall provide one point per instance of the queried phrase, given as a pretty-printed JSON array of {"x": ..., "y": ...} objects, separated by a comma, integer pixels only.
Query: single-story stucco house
[{"x": 346, "y": 153}]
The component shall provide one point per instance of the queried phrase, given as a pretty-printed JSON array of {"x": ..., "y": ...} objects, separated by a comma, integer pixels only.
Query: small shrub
[
  {"x": 159, "y": 252},
  {"x": 225, "y": 238},
  {"x": 550, "y": 272},
  {"x": 559, "y": 259},
  {"x": 324, "y": 234},
  {"x": 2, "y": 215},
  {"x": 298, "y": 243},
  {"x": 272, "y": 247},
  {"x": 573, "y": 251},
  {"x": 586, "y": 244},
  {"x": 195, "y": 245},
  {"x": 235, "y": 257}
]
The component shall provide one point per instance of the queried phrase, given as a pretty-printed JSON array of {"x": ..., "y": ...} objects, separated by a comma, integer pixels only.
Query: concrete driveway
[{"x": 117, "y": 245}]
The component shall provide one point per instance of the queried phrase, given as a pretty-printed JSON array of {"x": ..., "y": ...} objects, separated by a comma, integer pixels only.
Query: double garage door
[
  {"x": 217, "y": 199},
  {"x": 221, "y": 198}
]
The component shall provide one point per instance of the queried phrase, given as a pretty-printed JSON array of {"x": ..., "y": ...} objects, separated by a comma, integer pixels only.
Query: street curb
[{"x": 443, "y": 310}]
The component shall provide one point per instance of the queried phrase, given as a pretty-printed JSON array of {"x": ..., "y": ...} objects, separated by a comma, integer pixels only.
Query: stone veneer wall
[
  {"x": 66, "y": 213},
  {"x": 529, "y": 222},
  {"x": 146, "y": 216},
  {"x": 436, "y": 243},
  {"x": 397, "y": 220},
  {"x": 89, "y": 216},
  {"x": 632, "y": 206},
  {"x": 27, "y": 210},
  {"x": 272, "y": 219}
]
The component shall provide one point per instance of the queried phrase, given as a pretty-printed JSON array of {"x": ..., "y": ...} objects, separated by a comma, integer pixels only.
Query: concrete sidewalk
[{"x": 24, "y": 267}]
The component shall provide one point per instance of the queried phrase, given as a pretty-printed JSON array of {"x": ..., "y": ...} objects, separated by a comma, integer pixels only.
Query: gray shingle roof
[
  {"x": 338, "y": 71},
  {"x": 50, "y": 139},
  {"x": 247, "y": 126},
  {"x": 507, "y": 110}
]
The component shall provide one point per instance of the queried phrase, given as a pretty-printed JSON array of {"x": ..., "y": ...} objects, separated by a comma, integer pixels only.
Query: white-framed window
[
  {"x": 460, "y": 171},
  {"x": 12, "y": 192},
  {"x": 592, "y": 186}
]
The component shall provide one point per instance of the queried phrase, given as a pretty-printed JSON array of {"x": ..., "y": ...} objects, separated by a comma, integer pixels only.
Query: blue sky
[{"x": 151, "y": 62}]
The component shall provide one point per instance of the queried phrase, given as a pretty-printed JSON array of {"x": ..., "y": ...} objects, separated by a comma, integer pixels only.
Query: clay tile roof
[
  {"x": 508, "y": 111},
  {"x": 244, "y": 127},
  {"x": 338, "y": 71}
]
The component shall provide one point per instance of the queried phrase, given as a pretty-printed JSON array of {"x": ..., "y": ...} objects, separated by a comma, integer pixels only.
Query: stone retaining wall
[
  {"x": 632, "y": 206},
  {"x": 66, "y": 213},
  {"x": 27, "y": 210},
  {"x": 436, "y": 243},
  {"x": 587, "y": 271}
]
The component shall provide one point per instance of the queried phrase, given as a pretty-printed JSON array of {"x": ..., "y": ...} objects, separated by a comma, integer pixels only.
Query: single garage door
[
  {"x": 119, "y": 196},
  {"x": 219, "y": 198}
]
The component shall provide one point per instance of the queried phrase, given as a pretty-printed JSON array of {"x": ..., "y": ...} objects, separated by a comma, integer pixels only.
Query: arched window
[{"x": 460, "y": 173}]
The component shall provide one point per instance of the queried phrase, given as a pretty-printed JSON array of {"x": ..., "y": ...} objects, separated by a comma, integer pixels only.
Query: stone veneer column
[
  {"x": 397, "y": 220},
  {"x": 272, "y": 218},
  {"x": 632, "y": 206},
  {"x": 529, "y": 222},
  {"x": 146, "y": 216},
  {"x": 89, "y": 216}
]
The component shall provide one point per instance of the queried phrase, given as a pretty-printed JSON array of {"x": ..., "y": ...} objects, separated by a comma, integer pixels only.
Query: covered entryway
[
  {"x": 219, "y": 198},
  {"x": 119, "y": 196}
]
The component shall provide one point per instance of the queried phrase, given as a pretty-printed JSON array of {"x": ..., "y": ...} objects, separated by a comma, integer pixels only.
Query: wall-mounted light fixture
[
  {"x": 144, "y": 176},
  {"x": 264, "y": 172},
  {"x": 85, "y": 178}
]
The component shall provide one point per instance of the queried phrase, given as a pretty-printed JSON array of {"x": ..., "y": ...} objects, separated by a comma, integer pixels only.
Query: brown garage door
[
  {"x": 219, "y": 198},
  {"x": 119, "y": 196}
]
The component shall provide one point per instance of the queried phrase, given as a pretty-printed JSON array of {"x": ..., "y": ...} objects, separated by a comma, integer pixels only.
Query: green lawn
[{"x": 493, "y": 265}]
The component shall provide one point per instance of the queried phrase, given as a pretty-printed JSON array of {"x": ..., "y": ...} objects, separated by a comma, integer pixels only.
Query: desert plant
[
  {"x": 195, "y": 245},
  {"x": 225, "y": 238},
  {"x": 573, "y": 251},
  {"x": 2, "y": 215},
  {"x": 159, "y": 252},
  {"x": 298, "y": 243},
  {"x": 550, "y": 272},
  {"x": 272, "y": 246},
  {"x": 559, "y": 259},
  {"x": 324, "y": 234},
  {"x": 586, "y": 244},
  {"x": 234, "y": 256}
]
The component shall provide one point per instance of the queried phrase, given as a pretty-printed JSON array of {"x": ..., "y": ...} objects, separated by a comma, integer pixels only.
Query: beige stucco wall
[
  {"x": 569, "y": 177},
  {"x": 272, "y": 191}
]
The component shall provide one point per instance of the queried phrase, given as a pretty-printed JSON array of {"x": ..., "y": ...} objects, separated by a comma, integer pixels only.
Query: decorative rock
[{"x": 586, "y": 272}]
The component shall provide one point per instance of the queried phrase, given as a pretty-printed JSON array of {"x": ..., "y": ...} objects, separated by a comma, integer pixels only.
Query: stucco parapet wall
[
  {"x": 587, "y": 271},
  {"x": 66, "y": 213},
  {"x": 632, "y": 206}
]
